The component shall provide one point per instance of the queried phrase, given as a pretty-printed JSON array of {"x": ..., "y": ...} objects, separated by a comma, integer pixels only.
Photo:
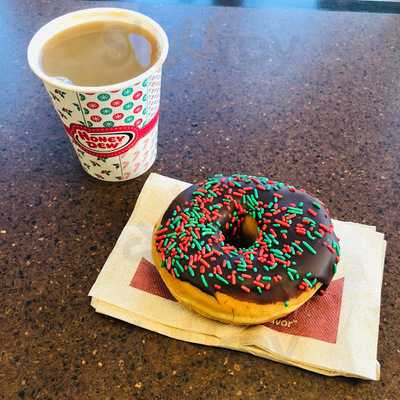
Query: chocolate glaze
[{"x": 319, "y": 265}]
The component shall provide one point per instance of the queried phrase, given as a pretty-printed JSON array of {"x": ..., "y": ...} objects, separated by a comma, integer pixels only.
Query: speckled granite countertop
[{"x": 308, "y": 97}]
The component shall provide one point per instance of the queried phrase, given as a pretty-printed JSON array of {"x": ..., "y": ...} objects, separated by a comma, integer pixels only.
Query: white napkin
[{"x": 333, "y": 334}]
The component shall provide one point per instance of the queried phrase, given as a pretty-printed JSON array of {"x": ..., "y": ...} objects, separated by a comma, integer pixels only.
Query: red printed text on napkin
[{"x": 317, "y": 319}]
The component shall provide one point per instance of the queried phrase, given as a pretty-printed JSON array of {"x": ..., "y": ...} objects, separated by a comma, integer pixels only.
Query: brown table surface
[{"x": 308, "y": 97}]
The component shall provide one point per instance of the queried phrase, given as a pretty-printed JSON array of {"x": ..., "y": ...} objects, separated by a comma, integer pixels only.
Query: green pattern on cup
[
  {"x": 127, "y": 92},
  {"x": 106, "y": 110},
  {"x": 129, "y": 119},
  {"x": 128, "y": 105},
  {"x": 85, "y": 110},
  {"x": 82, "y": 97},
  {"x": 108, "y": 124},
  {"x": 103, "y": 96}
]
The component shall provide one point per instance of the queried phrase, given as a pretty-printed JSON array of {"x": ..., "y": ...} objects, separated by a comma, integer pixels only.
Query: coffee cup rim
[{"x": 83, "y": 16}]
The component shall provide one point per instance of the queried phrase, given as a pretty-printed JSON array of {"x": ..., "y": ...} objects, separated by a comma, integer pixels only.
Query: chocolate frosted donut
[{"x": 245, "y": 249}]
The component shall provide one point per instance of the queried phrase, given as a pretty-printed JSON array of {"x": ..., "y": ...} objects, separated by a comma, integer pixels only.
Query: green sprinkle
[
  {"x": 253, "y": 200},
  {"x": 316, "y": 233},
  {"x": 308, "y": 282},
  {"x": 191, "y": 272},
  {"x": 242, "y": 263},
  {"x": 222, "y": 279},
  {"x": 294, "y": 210},
  {"x": 316, "y": 205},
  {"x": 171, "y": 247},
  {"x": 309, "y": 248},
  {"x": 297, "y": 247},
  {"x": 286, "y": 303},
  {"x": 203, "y": 280},
  {"x": 179, "y": 266},
  {"x": 228, "y": 264},
  {"x": 310, "y": 236},
  {"x": 314, "y": 281},
  {"x": 336, "y": 247},
  {"x": 259, "y": 290},
  {"x": 176, "y": 273},
  {"x": 334, "y": 268},
  {"x": 266, "y": 278},
  {"x": 198, "y": 245}
]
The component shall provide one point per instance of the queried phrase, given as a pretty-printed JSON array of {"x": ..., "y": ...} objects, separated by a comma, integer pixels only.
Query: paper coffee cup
[{"x": 112, "y": 128}]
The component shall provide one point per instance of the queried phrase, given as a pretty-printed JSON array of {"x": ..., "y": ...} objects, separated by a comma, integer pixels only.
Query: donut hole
[{"x": 245, "y": 235}]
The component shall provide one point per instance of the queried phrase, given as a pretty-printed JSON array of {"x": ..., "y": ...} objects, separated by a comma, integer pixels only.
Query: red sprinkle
[
  {"x": 324, "y": 227},
  {"x": 312, "y": 212},
  {"x": 217, "y": 286},
  {"x": 282, "y": 223},
  {"x": 330, "y": 248},
  {"x": 245, "y": 288}
]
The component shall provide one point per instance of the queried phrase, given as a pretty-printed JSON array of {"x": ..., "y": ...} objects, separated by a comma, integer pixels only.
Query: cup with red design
[{"x": 112, "y": 128}]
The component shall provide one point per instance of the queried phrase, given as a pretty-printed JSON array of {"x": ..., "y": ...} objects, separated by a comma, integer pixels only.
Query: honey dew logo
[{"x": 108, "y": 142}]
